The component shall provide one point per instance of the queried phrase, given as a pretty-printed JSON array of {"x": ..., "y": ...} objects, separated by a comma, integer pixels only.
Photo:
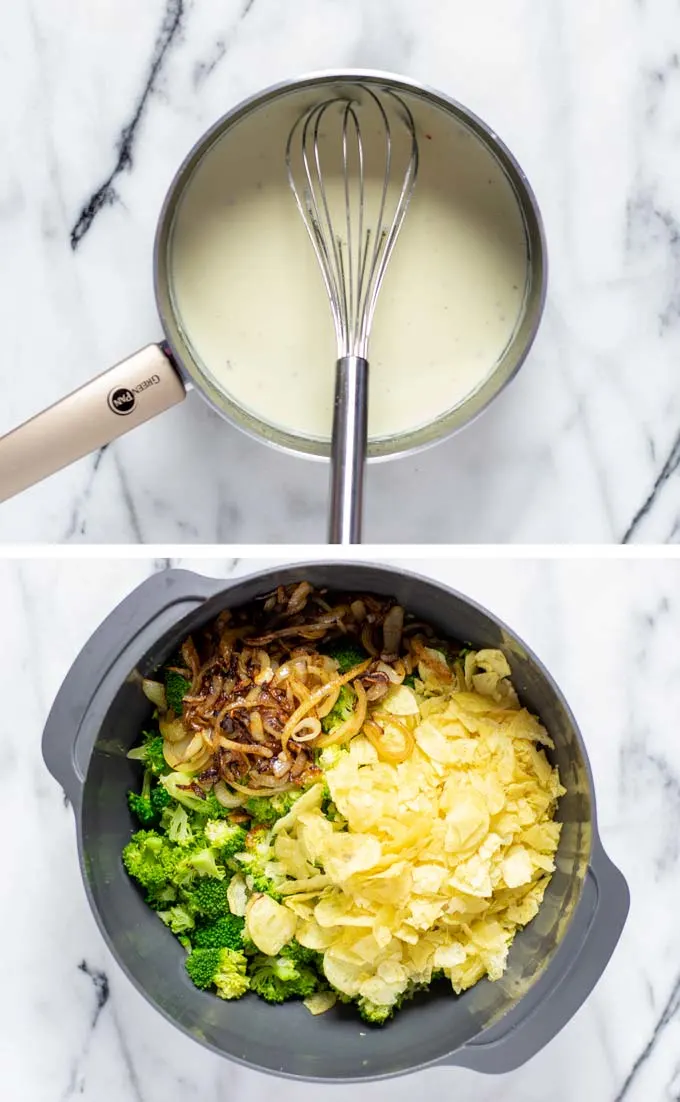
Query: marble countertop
[
  {"x": 72, "y": 1026},
  {"x": 102, "y": 101}
]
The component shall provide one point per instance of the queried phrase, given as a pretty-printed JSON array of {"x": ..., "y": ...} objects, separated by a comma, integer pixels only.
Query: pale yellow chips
[{"x": 433, "y": 863}]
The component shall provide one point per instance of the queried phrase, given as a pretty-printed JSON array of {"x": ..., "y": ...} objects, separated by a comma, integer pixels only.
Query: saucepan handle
[
  {"x": 127, "y": 395},
  {"x": 156, "y": 606},
  {"x": 576, "y": 968}
]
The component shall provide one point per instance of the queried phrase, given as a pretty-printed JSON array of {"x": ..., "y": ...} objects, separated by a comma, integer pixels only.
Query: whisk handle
[{"x": 348, "y": 449}]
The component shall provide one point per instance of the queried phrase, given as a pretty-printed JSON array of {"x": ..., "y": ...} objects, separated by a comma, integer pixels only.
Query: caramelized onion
[
  {"x": 393, "y": 625},
  {"x": 306, "y": 730},
  {"x": 155, "y": 692},
  {"x": 225, "y": 797},
  {"x": 351, "y": 727},
  {"x": 386, "y": 752}
]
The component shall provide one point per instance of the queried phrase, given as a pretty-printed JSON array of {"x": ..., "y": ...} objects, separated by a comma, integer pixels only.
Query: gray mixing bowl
[{"x": 494, "y": 1027}]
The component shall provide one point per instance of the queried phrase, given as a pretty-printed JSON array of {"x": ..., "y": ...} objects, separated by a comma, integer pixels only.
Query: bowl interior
[{"x": 288, "y": 1040}]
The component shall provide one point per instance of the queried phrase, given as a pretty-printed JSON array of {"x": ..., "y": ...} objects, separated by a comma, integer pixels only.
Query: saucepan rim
[{"x": 402, "y": 444}]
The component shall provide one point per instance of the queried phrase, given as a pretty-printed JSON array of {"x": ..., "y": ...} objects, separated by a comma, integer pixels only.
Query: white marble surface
[
  {"x": 101, "y": 101},
  {"x": 72, "y": 1026}
]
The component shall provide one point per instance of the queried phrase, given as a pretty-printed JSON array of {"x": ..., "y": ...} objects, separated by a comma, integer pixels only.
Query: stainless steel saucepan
[{"x": 158, "y": 376}]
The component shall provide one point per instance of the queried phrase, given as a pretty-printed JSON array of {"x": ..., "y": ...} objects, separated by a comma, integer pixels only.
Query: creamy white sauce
[{"x": 250, "y": 299}]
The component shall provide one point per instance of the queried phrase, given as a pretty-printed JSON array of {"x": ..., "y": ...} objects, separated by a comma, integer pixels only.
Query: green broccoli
[
  {"x": 229, "y": 838},
  {"x": 410, "y": 680},
  {"x": 225, "y": 932},
  {"x": 151, "y": 753},
  {"x": 330, "y": 756},
  {"x": 231, "y": 980},
  {"x": 300, "y": 954},
  {"x": 347, "y": 652},
  {"x": 209, "y": 897},
  {"x": 178, "y": 788},
  {"x": 265, "y": 810},
  {"x": 223, "y": 969},
  {"x": 176, "y": 688},
  {"x": 259, "y": 868},
  {"x": 162, "y": 897},
  {"x": 212, "y": 808},
  {"x": 276, "y": 979},
  {"x": 179, "y": 918},
  {"x": 150, "y": 859},
  {"x": 140, "y": 803},
  {"x": 148, "y": 804},
  {"x": 176, "y": 785},
  {"x": 160, "y": 799},
  {"x": 175, "y": 822},
  {"x": 374, "y": 1013},
  {"x": 341, "y": 710},
  {"x": 198, "y": 862}
]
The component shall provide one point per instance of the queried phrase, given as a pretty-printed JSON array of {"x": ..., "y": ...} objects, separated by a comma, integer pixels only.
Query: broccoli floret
[
  {"x": 300, "y": 954},
  {"x": 211, "y": 807},
  {"x": 223, "y": 969},
  {"x": 224, "y": 933},
  {"x": 175, "y": 785},
  {"x": 175, "y": 823},
  {"x": 201, "y": 964},
  {"x": 163, "y": 897},
  {"x": 257, "y": 869},
  {"x": 176, "y": 688},
  {"x": 179, "y": 918},
  {"x": 150, "y": 859},
  {"x": 199, "y": 862},
  {"x": 230, "y": 838},
  {"x": 160, "y": 799},
  {"x": 140, "y": 805},
  {"x": 209, "y": 897},
  {"x": 341, "y": 710},
  {"x": 231, "y": 979},
  {"x": 151, "y": 753},
  {"x": 377, "y": 1014},
  {"x": 148, "y": 804},
  {"x": 276, "y": 979},
  {"x": 265, "y": 810},
  {"x": 410, "y": 680},
  {"x": 374, "y": 1013},
  {"x": 330, "y": 756},
  {"x": 262, "y": 811},
  {"x": 348, "y": 653}
]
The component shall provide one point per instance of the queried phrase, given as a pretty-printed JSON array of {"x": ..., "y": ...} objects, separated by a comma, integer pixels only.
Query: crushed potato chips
[{"x": 435, "y": 862}]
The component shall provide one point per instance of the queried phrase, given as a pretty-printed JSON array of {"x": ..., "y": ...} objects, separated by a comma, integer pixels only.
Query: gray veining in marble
[{"x": 100, "y": 102}]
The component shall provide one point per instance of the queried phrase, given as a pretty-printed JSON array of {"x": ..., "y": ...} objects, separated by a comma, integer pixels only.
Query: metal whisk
[{"x": 353, "y": 237}]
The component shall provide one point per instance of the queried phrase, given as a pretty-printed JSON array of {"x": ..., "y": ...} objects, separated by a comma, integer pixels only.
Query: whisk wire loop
[{"x": 353, "y": 256}]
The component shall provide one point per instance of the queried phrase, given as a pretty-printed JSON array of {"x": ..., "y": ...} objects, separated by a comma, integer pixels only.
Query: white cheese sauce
[{"x": 250, "y": 299}]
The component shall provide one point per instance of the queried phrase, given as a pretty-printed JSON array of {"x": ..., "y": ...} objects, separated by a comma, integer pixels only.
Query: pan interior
[
  {"x": 288, "y": 1040},
  {"x": 245, "y": 302}
]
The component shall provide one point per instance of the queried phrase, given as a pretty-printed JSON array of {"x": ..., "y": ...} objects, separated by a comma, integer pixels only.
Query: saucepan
[
  {"x": 554, "y": 962},
  {"x": 159, "y": 375}
]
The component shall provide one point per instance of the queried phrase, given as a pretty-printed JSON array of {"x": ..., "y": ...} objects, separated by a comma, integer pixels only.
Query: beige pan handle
[{"x": 127, "y": 395}]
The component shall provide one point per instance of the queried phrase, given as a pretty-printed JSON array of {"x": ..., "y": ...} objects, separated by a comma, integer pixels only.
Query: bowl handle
[
  {"x": 568, "y": 981},
  {"x": 161, "y": 601}
]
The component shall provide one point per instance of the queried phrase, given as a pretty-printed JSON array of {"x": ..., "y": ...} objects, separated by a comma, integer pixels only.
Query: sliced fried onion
[{"x": 314, "y": 698}]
